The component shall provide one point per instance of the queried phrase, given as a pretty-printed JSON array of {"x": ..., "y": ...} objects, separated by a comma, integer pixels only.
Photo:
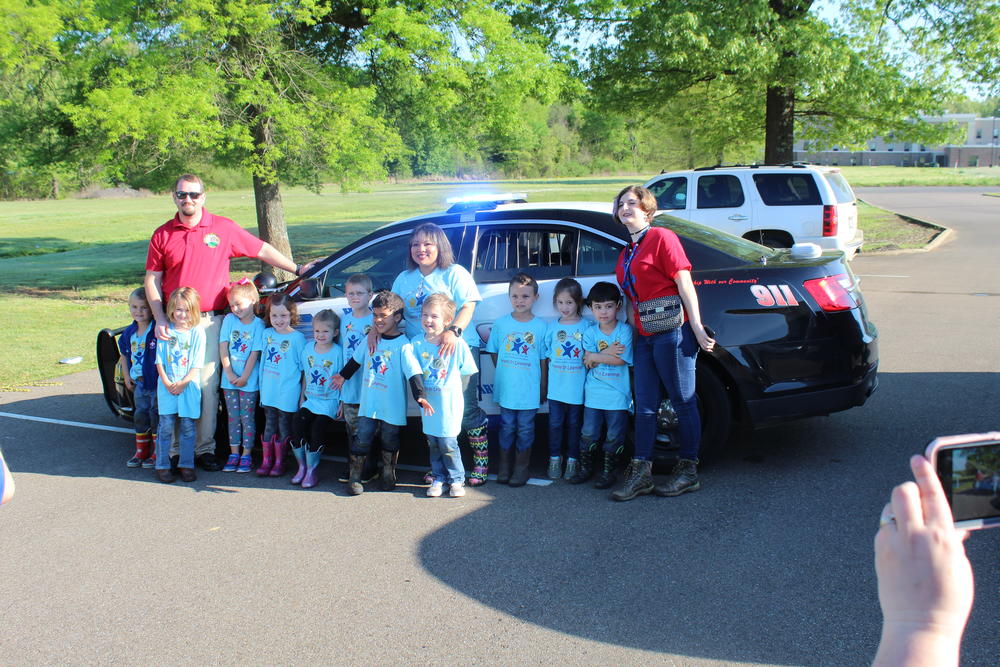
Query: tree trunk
[
  {"x": 267, "y": 197},
  {"x": 779, "y": 125}
]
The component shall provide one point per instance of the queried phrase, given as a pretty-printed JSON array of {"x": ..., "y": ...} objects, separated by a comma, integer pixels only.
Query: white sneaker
[
  {"x": 457, "y": 490},
  {"x": 435, "y": 490}
]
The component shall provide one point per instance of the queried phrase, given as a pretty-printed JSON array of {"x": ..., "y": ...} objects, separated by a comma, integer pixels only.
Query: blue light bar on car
[{"x": 484, "y": 201}]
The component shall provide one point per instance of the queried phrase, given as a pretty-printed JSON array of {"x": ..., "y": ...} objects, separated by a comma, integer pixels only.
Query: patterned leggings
[
  {"x": 277, "y": 423},
  {"x": 241, "y": 406}
]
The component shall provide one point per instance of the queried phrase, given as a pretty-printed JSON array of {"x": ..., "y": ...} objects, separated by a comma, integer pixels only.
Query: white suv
[{"x": 776, "y": 206}]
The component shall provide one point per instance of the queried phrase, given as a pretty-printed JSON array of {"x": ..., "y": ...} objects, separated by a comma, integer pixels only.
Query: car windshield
[{"x": 747, "y": 251}]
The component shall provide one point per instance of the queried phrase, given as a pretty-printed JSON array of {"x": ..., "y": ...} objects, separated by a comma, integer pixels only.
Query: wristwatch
[{"x": 455, "y": 330}]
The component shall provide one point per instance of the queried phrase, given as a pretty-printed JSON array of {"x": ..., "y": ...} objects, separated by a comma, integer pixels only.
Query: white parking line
[
  {"x": 63, "y": 422},
  {"x": 117, "y": 429}
]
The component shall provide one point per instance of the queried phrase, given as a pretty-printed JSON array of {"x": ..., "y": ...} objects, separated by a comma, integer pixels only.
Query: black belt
[{"x": 217, "y": 311}]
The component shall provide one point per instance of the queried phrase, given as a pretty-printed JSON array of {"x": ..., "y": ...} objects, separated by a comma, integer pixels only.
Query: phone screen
[{"x": 970, "y": 476}]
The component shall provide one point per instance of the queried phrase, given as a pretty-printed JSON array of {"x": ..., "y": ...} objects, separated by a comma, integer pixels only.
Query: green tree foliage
[
  {"x": 754, "y": 68},
  {"x": 302, "y": 92}
]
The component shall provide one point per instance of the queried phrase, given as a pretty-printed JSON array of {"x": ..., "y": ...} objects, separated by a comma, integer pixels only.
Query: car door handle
[{"x": 738, "y": 217}]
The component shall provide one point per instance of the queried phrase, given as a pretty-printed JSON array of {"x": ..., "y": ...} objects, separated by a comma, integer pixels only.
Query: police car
[{"x": 793, "y": 334}]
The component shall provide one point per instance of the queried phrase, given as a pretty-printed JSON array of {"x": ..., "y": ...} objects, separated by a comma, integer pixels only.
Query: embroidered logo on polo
[{"x": 211, "y": 240}]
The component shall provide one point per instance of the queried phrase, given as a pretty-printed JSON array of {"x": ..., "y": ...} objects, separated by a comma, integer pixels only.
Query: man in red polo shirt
[{"x": 193, "y": 249}]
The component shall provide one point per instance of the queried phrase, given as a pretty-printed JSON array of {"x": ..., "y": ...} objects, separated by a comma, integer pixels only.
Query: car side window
[
  {"x": 542, "y": 253},
  {"x": 597, "y": 256},
  {"x": 787, "y": 189},
  {"x": 382, "y": 261},
  {"x": 670, "y": 193},
  {"x": 720, "y": 191}
]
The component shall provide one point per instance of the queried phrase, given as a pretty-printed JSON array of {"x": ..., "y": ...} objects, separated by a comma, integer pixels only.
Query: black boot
[
  {"x": 506, "y": 462},
  {"x": 609, "y": 471},
  {"x": 355, "y": 465},
  {"x": 585, "y": 467},
  {"x": 389, "y": 469},
  {"x": 522, "y": 461},
  {"x": 638, "y": 480},
  {"x": 683, "y": 478}
]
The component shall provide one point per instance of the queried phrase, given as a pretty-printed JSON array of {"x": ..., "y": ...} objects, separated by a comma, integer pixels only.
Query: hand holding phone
[{"x": 969, "y": 469}]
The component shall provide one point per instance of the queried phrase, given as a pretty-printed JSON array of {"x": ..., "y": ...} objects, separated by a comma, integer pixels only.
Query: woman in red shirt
[{"x": 655, "y": 274}]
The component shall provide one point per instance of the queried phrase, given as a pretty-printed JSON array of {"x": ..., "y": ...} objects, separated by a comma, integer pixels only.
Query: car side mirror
[{"x": 308, "y": 289}]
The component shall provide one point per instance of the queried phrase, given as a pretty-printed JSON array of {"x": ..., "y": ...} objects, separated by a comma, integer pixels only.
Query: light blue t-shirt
[
  {"x": 281, "y": 370},
  {"x": 607, "y": 386},
  {"x": 520, "y": 347},
  {"x": 455, "y": 281},
  {"x": 184, "y": 351},
  {"x": 567, "y": 374},
  {"x": 321, "y": 397},
  {"x": 243, "y": 340},
  {"x": 353, "y": 332},
  {"x": 443, "y": 385},
  {"x": 384, "y": 379}
]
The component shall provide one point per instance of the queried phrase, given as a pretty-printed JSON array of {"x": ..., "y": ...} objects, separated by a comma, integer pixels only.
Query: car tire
[
  {"x": 771, "y": 239},
  {"x": 716, "y": 417}
]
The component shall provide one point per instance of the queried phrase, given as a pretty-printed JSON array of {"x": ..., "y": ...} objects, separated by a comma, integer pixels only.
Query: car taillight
[
  {"x": 832, "y": 292},
  {"x": 829, "y": 220}
]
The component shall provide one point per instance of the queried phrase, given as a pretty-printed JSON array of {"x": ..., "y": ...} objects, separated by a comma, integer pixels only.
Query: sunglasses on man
[{"x": 181, "y": 195}]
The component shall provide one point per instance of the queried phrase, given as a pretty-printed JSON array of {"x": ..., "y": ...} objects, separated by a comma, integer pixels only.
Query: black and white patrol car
[{"x": 793, "y": 334}]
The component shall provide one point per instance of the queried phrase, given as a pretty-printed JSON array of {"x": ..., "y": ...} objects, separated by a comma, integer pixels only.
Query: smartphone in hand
[{"x": 969, "y": 469}]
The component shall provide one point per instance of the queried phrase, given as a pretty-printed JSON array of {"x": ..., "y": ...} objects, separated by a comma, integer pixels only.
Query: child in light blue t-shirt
[
  {"x": 241, "y": 340},
  {"x": 443, "y": 389},
  {"x": 517, "y": 346},
  {"x": 564, "y": 343},
  {"x": 607, "y": 392},
  {"x": 137, "y": 346},
  {"x": 313, "y": 425},
  {"x": 178, "y": 394},
  {"x": 385, "y": 373},
  {"x": 280, "y": 382},
  {"x": 355, "y": 324}
]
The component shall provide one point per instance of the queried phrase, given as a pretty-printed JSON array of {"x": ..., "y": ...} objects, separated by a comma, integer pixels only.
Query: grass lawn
[
  {"x": 876, "y": 176},
  {"x": 69, "y": 265}
]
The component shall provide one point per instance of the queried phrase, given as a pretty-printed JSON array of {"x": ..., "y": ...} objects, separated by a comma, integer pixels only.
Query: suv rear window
[
  {"x": 798, "y": 189},
  {"x": 841, "y": 190}
]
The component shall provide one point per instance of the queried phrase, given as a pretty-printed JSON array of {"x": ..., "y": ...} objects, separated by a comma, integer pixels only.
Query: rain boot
[
  {"x": 280, "y": 447},
  {"x": 355, "y": 465},
  {"x": 506, "y": 461},
  {"x": 522, "y": 462},
  {"x": 609, "y": 471},
  {"x": 389, "y": 469},
  {"x": 585, "y": 466},
  {"x": 312, "y": 463},
  {"x": 480, "y": 446},
  {"x": 268, "y": 460},
  {"x": 300, "y": 457},
  {"x": 638, "y": 480},
  {"x": 142, "y": 441},
  {"x": 683, "y": 478}
]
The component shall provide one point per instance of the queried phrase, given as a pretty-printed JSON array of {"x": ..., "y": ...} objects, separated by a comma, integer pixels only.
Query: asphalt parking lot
[{"x": 770, "y": 563}]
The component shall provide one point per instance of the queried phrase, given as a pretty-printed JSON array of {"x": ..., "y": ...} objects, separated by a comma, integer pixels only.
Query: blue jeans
[
  {"x": 517, "y": 426},
  {"x": 446, "y": 460},
  {"x": 362, "y": 445},
  {"x": 165, "y": 439},
  {"x": 666, "y": 362},
  {"x": 145, "y": 418},
  {"x": 568, "y": 415},
  {"x": 594, "y": 421}
]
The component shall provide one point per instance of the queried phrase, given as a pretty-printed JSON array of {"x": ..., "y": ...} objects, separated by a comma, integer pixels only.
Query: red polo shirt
[
  {"x": 658, "y": 258},
  {"x": 199, "y": 256}
]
